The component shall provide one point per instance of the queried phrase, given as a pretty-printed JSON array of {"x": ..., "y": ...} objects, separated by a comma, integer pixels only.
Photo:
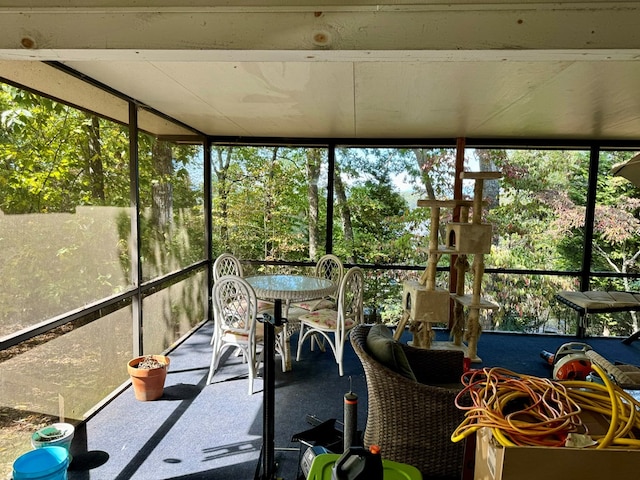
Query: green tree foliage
[
  {"x": 616, "y": 242},
  {"x": 525, "y": 239},
  {"x": 523, "y": 219},
  {"x": 50, "y": 162},
  {"x": 260, "y": 204},
  {"x": 539, "y": 225},
  {"x": 381, "y": 189},
  {"x": 383, "y": 230}
]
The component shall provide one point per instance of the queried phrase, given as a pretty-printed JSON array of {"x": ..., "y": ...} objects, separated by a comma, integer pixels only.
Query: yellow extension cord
[{"x": 527, "y": 410}]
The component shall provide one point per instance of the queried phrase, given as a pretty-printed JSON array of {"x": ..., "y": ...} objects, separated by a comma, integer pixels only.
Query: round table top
[{"x": 291, "y": 287}]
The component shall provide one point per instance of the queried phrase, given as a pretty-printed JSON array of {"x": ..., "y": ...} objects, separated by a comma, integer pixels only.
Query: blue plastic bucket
[{"x": 47, "y": 463}]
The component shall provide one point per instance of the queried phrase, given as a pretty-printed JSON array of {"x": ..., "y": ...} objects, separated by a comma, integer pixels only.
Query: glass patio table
[{"x": 279, "y": 288}]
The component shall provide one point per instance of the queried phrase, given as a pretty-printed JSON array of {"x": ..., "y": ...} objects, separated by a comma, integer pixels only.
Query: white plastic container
[{"x": 54, "y": 435}]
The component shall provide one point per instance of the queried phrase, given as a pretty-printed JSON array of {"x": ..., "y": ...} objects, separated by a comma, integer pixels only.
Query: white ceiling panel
[
  {"x": 448, "y": 98},
  {"x": 560, "y": 99},
  {"x": 265, "y": 98},
  {"x": 417, "y": 69},
  {"x": 241, "y": 98}
]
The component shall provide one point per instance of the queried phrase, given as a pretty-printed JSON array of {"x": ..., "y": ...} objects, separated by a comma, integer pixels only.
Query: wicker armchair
[{"x": 412, "y": 421}]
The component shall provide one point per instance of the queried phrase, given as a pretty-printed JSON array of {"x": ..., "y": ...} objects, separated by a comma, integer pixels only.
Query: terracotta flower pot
[{"x": 148, "y": 383}]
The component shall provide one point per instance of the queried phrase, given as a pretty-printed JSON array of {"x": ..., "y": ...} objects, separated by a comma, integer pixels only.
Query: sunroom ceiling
[{"x": 357, "y": 70}]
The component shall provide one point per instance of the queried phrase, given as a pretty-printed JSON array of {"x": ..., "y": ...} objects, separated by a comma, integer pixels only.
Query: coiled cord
[{"x": 526, "y": 410}]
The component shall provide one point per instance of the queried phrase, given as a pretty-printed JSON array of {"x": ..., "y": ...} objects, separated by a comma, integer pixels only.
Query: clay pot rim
[{"x": 132, "y": 366}]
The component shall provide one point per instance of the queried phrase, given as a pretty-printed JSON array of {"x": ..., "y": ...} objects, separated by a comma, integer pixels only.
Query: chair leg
[
  {"x": 317, "y": 340},
  {"x": 283, "y": 348},
  {"x": 338, "y": 352},
  {"x": 213, "y": 336},
  {"x": 254, "y": 361},
  {"x": 300, "y": 340},
  {"x": 286, "y": 353},
  {"x": 215, "y": 358},
  {"x": 210, "y": 374},
  {"x": 252, "y": 372},
  {"x": 240, "y": 352}
]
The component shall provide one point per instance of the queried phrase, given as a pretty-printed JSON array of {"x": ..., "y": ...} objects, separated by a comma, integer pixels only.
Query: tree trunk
[
  {"x": 345, "y": 213},
  {"x": 96, "y": 172},
  {"x": 221, "y": 162},
  {"x": 162, "y": 189},
  {"x": 314, "y": 157},
  {"x": 491, "y": 190},
  {"x": 425, "y": 161},
  {"x": 269, "y": 252}
]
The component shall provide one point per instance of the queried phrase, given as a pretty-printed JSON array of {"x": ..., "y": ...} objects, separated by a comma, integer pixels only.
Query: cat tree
[{"x": 424, "y": 303}]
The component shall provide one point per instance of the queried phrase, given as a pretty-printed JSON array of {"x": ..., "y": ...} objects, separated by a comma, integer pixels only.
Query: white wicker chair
[
  {"x": 235, "y": 307},
  {"x": 330, "y": 267},
  {"x": 226, "y": 264},
  {"x": 328, "y": 323}
]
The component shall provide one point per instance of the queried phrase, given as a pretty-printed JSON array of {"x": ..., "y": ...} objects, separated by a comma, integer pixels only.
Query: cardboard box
[{"x": 494, "y": 462}]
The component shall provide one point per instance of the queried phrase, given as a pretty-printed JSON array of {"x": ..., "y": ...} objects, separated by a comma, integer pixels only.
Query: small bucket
[
  {"x": 46, "y": 463},
  {"x": 55, "y": 435}
]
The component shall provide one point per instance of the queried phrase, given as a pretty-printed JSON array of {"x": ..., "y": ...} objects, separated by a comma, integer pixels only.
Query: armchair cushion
[{"x": 387, "y": 351}]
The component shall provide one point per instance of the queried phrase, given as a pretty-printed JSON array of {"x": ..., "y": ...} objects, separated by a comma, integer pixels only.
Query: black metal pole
[
  {"x": 587, "y": 249},
  {"x": 268, "y": 403}
]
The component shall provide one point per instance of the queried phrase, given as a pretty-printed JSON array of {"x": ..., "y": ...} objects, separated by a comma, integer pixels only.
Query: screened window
[{"x": 64, "y": 208}]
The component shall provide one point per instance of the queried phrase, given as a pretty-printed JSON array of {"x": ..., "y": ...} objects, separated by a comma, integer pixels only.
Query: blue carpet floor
[{"x": 197, "y": 431}]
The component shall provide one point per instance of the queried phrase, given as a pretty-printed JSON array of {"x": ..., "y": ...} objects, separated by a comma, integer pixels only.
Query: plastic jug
[{"x": 358, "y": 463}]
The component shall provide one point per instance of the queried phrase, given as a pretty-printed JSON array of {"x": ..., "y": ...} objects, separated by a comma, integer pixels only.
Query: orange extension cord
[{"x": 527, "y": 410}]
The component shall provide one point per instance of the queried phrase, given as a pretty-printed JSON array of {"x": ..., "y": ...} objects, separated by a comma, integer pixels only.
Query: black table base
[{"x": 266, "y": 469}]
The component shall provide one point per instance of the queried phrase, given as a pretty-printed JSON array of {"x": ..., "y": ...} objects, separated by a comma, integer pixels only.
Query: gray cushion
[{"x": 387, "y": 351}]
